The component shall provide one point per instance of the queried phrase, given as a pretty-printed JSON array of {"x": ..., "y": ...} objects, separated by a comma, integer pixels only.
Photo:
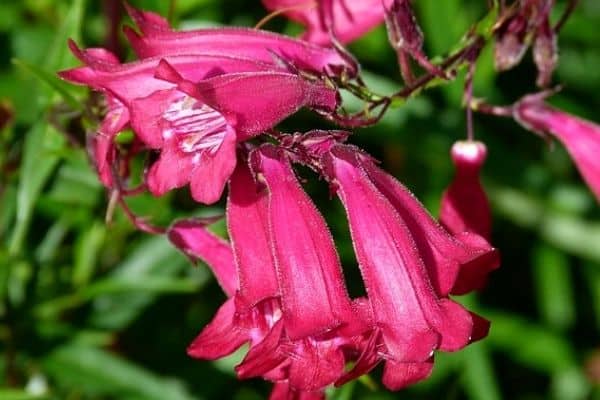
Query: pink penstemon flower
[
  {"x": 194, "y": 109},
  {"x": 411, "y": 319},
  {"x": 344, "y": 20},
  {"x": 581, "y": 138},
  {"x": 465, "y": 213},
  {"x": 158, "y": 39},
  {"x": 444, "y": 255},
  {"x": 464, "y": 205},
  {"x": 291, "y": 304}
]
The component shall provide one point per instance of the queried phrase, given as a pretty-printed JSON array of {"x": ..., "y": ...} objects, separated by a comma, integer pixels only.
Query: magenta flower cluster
[{"x": 195, "y": 99}]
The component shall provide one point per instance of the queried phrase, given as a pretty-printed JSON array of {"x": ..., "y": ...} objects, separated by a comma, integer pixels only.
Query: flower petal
[
  {"x": 213, "y": 171},
  {"x": 192, "y": 237},
  {"x": 283, "y": 391},
  {"x": 580, "y": 137},
  {"x": 264, "y": 356},
  {"x": 464, "y": 206},
  {"x": 240, "y": 42},
  {"x": 136, "y": 79},
  {"x": 313, "y": 294},
  {"x": 220, "y": 337},
  {"x": 102, "y": 147},
  {"x": 247, "y": 224},
  {"x": 441, "y": 253},
  {"x": 348, "y": 19},
  {"x": 257, "y": 101},
  {"x": 397, "y": 282},
  {"x": 315, "y": 365},
  {"x": 172, "y": 170},
  {"x": 397, "y": 376}
]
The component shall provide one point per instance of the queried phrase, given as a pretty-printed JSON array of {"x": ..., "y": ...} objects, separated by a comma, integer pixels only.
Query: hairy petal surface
[
  {"x": 314, "y": 297},
  {"x": 396, "y": 279}
]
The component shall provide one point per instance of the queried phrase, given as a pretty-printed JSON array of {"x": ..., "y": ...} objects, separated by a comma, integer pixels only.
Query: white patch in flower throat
[{"x": 195, "y": 125}]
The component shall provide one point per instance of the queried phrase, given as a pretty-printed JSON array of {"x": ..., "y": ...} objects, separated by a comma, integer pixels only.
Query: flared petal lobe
[
  {"x": 193, "y": 239},
  {"x": 221, "y": 337},
  {"x": 581, "y": 138}
]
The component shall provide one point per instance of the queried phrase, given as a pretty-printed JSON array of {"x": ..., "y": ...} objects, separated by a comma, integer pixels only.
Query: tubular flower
[
  {"x": 465, "y": 206},
  {"x": 412, "y": 315},
  {"x": 465, "y": 213},
  {"x": 193, "y": 109},
  {"x": 580, "y": 137},
  {"x": 345, "y": 20},
  {"x": 158, "y": 39},
  {"x": 444, "y": 256},
  {"x": 291, "y": 304}
]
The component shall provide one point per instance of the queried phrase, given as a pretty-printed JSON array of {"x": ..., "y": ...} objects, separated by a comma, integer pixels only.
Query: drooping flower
[
  {"x": 345, "y": 20},
  {"x": 194, "y": 109},
  {"x": 444, "y": 256},
  {"x": 408, "y": 295},
  {"x": 465, "y": 213},
  {"x": 291, "y": 304},
  {"x": 464, "y": 206},
  {"x": 158, "y": 39},
  {"x": 581, "y": 138}
]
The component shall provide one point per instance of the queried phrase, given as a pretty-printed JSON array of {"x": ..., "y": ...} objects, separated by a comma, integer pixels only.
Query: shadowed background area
[{"x": 90, "y": 310}]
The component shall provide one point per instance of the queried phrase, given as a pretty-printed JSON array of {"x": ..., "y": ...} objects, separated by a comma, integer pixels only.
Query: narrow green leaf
[
  {"x": 51, "y": 80},
  {"x": 592, "y": 275},
  {"x": 115, "y": 285},
  {"x": 567, "y": 232},
  {"x": 97, "y": 372},
  {"x": 51, "y": 242},
  {"x": 16, "y": 394},
  {"x": 39, "y": 160},
  {"x": 529, "y": 344},
  {"x": 479, "y": 379},
  {"x": 59, "y": 55},
  {"x": 86, "y": 253},
  {"x": 553, "y": 287}
]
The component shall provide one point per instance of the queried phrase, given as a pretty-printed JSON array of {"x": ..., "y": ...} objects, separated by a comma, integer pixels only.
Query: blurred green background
[{"x": 96, "y": 311}]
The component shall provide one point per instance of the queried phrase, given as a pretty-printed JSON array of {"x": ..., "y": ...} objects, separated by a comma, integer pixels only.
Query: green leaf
[
  {"x": 592, "y": 275},
  {"x": 98, "y": 372},
  {"x": 86, "y": 253},
  {"x": 152, "y": 268},
  {"x": 51, "y": 80},
  {"x": 16, "y": 394},
  {"x": 59, "y": 56},
  {"x": 554, "y": 287},
  {"x": 478, "y": 376},
  {"x": 118, "y": 285},
  {"x": 567, "y": 232},
  {"x": 529, "y": 344},
  {"x": 39, "y": 160}
]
